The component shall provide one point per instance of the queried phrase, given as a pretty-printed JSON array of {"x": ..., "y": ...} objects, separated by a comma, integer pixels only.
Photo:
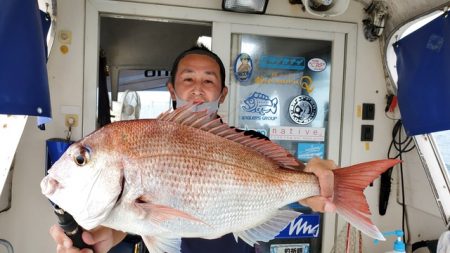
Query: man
[{"x": 198, "y": 76}]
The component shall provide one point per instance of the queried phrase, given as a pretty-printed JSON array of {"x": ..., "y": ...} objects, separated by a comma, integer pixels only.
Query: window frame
[{"x": 426, "y": 146}]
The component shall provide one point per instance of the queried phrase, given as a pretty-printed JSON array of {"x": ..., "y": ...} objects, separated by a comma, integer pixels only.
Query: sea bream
[{"x": 186, "y": 175}]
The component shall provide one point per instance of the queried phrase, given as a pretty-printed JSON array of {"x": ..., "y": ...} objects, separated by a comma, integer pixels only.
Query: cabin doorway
[{"x": 136, "y": 56}]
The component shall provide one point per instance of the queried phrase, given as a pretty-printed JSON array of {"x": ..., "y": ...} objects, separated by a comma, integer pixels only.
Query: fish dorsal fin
[
  {"x": 203, "y": 121},
  {"x": 269, "y": 229}
]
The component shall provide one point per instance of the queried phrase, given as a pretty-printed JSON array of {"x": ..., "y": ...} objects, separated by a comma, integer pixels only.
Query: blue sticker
[
  {"x": 304, "y": 226},
  {"x": 259, "y": 130},
  {"x": 243, "y": 67},
  {"x": 260, "y": 103},
  {"x": 282, "y": 62},
  {"x": 303, "y": 109},
  {"x": 306, "y": 151}
]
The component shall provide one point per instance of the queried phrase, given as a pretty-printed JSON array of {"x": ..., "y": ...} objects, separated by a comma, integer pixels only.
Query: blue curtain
[
  {"x": 23, "y": 73},
  {"x": 423, "y": 66}
]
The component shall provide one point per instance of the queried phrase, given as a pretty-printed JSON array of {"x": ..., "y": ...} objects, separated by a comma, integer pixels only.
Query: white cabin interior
[{"x": 148, "y": 34}]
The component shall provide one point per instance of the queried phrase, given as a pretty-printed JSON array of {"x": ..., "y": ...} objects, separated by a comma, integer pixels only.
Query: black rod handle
[{"x": 71, "y": 228}]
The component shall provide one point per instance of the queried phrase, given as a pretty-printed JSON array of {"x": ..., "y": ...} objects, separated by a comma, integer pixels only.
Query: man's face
[{"x": 198, "y": 80}]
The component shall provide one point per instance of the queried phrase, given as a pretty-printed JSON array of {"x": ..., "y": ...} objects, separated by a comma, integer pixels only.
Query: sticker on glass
[
  {"x": 262, "y": 131},
  {"x": 304, "y": 226},
  {"x": 307, "y": 84},
  {"x": 282, "y": 62},
  {"x": 290, "y": 133},
  {"x": 260, "y": 103},
  {"x": 243, "y": 67},
  {"x": 317, "y": 64},
  {"x": 306, "y": 151},
  {"x": 290, "y": 248},
  {"x": 303, "y": 109}
]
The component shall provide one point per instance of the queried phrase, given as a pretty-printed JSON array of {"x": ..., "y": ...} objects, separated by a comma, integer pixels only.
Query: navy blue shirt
[{"x": 224, "y": 244}]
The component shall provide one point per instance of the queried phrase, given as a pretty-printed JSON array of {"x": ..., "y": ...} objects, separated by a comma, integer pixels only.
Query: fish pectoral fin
[
  {"x": 159, "y": 213},
  {"x": 268, "y": 229},
  {"x": 236, "y": 237},
  {"x": 162, "y": 245}
]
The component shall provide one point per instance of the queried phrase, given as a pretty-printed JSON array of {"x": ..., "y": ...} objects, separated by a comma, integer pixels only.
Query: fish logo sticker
[
  {"x": 243, "y": 67},
  {"x": 260, "y": 103},
  {"x": 303, "y": 109},
  {"x": 317, "y": 64}
]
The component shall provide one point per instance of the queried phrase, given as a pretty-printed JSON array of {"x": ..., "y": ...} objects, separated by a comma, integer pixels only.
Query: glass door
[
  {"x": 287, "y": 84},
  {"x": 282, "y": 90}
]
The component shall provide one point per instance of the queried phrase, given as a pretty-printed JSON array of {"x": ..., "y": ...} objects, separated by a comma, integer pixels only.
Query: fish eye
[{"x": 83, "y": 157}]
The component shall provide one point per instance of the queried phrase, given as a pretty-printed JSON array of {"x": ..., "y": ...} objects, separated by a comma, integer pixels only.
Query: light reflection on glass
[{"x": 442, "y": 140}]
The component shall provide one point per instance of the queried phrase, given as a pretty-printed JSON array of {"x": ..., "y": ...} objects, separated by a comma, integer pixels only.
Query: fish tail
[{"x": 351, "y": 204}]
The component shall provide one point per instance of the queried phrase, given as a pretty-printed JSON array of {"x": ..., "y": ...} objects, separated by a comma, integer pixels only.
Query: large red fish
[{"x": 186, "y": 175}]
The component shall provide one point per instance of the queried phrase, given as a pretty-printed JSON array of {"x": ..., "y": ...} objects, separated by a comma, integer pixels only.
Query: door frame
[{"x": 334, "y": 127}]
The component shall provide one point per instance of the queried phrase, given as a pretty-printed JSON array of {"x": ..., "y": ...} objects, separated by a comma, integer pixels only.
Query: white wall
[{"x": 26, "y": 224}]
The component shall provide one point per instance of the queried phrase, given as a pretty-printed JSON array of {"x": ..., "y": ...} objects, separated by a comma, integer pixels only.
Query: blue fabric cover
[
  {"x": 423, "y": 66},
  {"x": 23, "y": 73}
]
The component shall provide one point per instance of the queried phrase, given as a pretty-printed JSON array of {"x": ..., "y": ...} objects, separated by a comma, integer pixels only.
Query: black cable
[
  {"x": 398, "y": 144},
  {"x": 429, "y": 244},
  {"x": 401, "y": 146},
  {"x": 403, "y": 186}
]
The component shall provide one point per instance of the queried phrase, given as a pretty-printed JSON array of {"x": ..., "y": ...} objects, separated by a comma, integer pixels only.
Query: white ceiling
[{"x": 403, "y": 11}]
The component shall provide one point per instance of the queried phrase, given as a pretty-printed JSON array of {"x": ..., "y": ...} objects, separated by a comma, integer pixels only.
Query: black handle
[
  {"x": 385, "y": 190},
  {"x": 71, "y": 228}
]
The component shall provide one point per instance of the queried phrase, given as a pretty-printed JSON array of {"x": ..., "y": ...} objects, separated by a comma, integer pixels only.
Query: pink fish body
[{"x": 185, "y": 175}]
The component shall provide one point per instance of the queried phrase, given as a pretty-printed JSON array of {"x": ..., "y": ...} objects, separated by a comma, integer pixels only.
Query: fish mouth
[{"x": 49, "y": 185}]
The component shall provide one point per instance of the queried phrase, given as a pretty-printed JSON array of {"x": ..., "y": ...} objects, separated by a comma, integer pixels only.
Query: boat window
[
  {"x": 433, "y": 148},
  {"x": 442, "y": 143},
  {"x": 11, "y": 130}
]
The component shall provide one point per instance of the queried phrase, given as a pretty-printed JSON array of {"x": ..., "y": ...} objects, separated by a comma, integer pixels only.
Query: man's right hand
[{"x": 102, "y": 240}]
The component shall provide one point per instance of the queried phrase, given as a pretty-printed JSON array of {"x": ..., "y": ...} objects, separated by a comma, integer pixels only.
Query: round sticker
[
  {"x": 317, "y": 64},
  {"x": 243, "y": 67},
  {"x": 303, "y": 109}
]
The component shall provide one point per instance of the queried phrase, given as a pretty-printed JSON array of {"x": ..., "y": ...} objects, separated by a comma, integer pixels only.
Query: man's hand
[
  {"x": 101, "y": 238},
  {"x": 323, "y": 170}
]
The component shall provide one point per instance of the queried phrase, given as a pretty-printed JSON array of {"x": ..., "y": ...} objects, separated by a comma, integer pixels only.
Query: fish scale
[{"x": 187, "y": 175}]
